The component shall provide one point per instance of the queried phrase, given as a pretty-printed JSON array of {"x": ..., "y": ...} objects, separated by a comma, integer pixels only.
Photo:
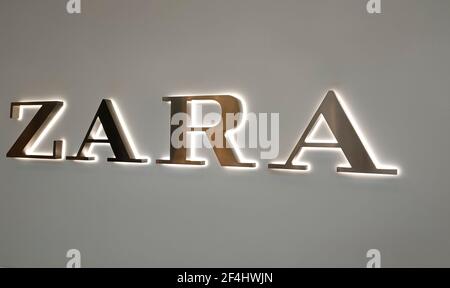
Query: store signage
[{"x": 117, "y": 137}]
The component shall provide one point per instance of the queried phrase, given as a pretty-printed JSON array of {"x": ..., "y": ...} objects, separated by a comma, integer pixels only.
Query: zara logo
[{"x": 108, "y": 120}]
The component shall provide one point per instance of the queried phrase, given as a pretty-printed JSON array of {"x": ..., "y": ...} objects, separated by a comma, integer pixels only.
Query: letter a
[
  {"x": 73, "y": 6},
  {"x": 347, "y": 140},
  {"x": 374, "y": 7},
  {"x": 106, "y": 117}
]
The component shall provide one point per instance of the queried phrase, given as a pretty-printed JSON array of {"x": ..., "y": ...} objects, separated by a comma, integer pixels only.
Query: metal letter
[
  {"x": 115, "y": 137},
  {"x": 225, "y": 155},
  {"x": 35, "y": 129},
  {"x": 347, "y": 140}
]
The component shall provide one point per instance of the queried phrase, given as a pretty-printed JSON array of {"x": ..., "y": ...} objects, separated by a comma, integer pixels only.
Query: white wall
[{"x": 392, "y": 69}]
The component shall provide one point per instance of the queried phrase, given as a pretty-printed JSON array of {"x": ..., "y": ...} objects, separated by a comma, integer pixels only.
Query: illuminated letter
[
  {"x": 347, "y": 140},
  {"x": 34, "y": 132},
  {"x": 116, "y": 137},
  {"x": 225, "y": 155}
]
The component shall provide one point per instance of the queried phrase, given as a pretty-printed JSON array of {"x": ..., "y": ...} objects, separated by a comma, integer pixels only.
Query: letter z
[{"x": 36, "y": 129}]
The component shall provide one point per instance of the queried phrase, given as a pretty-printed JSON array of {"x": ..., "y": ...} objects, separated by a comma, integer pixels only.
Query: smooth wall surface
[{"x": 392, "y": 69}]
